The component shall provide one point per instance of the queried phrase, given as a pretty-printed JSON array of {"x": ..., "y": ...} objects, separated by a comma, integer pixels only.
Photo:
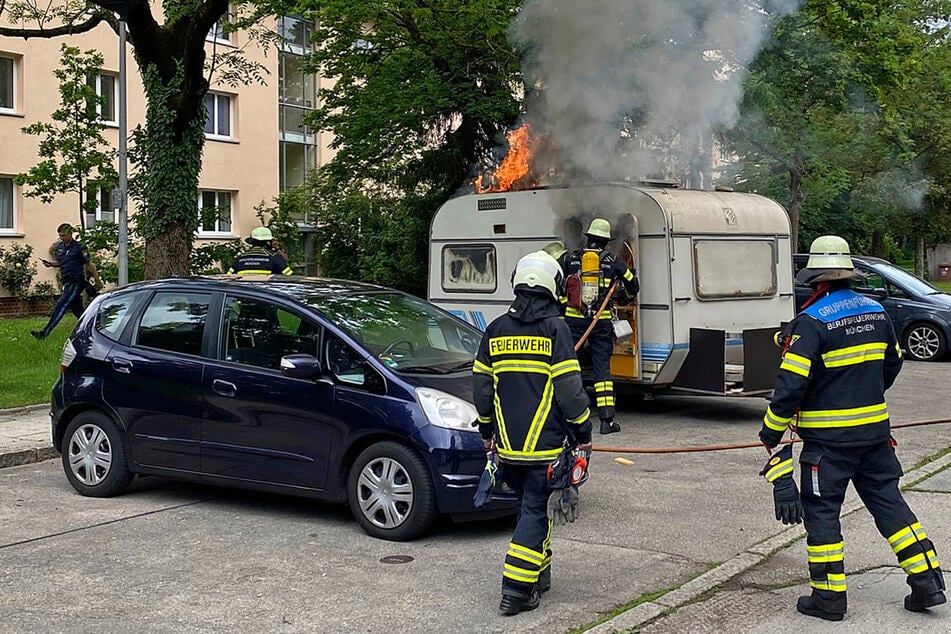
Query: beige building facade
[{"x": 255, "y": 142}]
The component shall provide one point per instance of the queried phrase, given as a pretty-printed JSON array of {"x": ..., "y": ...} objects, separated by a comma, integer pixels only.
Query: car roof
[
  {"x": 292, "y": 286},
  {"x": 864, "y": 259}
]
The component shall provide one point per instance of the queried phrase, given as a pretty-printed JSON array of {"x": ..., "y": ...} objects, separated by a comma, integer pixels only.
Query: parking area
[{"x": 168, "y": 556}]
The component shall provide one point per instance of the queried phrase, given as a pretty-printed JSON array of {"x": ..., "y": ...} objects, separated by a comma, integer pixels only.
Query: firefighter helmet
[
  {"x": 599, "y": 228},
  {"x": 554, "y": 249},
  {"x": 829, "y": 259},
  {"x": 262, "y": 234},
  {"x": 537, "y": 269}
]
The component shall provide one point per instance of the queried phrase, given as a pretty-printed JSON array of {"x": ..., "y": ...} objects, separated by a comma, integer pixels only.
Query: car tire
[
  {"x": 94, "y": 457},
  {"x": 391, "y": 493},
  {"x": 924, "y": 342}
]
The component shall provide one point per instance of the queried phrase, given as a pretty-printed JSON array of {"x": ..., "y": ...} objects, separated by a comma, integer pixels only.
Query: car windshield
[
  {"x": 912, "y": 283},
  {"x": 406, "y": 333}
]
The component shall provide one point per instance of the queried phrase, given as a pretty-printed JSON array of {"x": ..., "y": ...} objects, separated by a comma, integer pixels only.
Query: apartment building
[{"x": 256, "y": 143}]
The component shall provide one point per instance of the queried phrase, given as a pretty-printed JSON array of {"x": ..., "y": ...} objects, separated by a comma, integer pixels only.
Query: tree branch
[{"x": 66, "y": 29}]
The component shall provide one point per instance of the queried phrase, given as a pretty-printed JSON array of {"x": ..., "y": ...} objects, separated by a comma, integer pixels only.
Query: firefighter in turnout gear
[
  {"x": 263, "y": 258},
  {"x": 528, "y": 393},
  {"x": 840, "y": 358},
  {"x": 589, "y": 273}
]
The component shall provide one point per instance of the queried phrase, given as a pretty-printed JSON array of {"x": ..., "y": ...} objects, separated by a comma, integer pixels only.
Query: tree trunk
[
  {"x": 878, "y": 244},
  {"x": 167, "y": 254},
  {"x": 796, "y": 195},
  {"x": 920, "y": 257},
  {"x": 173, "y": 141}
]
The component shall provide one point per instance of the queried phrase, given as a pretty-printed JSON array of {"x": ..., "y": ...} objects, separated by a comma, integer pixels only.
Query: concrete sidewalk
[
  {"x": 756, "y": 591},
  {"x": 25, "y": 436}
]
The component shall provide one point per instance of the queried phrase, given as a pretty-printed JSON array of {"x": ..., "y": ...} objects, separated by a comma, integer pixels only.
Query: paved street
[{"x": 173, "y": 557}]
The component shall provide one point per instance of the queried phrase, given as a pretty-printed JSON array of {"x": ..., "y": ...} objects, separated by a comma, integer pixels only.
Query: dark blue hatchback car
[{"x": 323, "y": 388}]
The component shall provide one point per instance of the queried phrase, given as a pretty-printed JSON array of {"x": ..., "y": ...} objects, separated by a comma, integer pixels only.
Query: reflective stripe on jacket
[
  {"x": 842, "y": 357},
  {"x": 527, "y": 384}
]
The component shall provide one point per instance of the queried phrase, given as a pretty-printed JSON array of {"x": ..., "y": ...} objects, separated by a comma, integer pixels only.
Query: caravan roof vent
[
  {"x": 491, "y": 204},
  {"x": 659, "y": 182}
]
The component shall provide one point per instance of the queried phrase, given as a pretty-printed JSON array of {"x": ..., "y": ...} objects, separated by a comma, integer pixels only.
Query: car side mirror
[
  {"x": 301, "y": 366},
  {"x": 878, "y": 293}
]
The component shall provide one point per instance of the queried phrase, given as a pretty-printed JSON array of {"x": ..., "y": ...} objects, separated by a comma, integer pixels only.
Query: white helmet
[
  {"x": 829, "y": 259},
  {"x": 538, "y": 269}
]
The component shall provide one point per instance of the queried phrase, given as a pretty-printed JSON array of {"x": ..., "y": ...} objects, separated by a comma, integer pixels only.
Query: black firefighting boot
[
  {"x": 823, "y": 604},
  {"x": 927, "y": 590},
  {"x": 512, "y": 604},
  {"x": 608, "y": 426},
  {"x": 544, "y": 580}
]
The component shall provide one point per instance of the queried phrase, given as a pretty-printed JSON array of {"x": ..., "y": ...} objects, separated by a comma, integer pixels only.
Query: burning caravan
[{"x": 714, "y": 267}]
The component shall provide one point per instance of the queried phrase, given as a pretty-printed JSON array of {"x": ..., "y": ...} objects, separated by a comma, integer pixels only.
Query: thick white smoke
[{"x": 634, "y": 88}]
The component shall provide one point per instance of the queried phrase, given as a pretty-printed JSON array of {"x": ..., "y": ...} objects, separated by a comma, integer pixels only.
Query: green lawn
[{"x": 29, "y": 367}]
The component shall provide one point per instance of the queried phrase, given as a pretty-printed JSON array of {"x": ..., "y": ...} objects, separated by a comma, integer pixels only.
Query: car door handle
[
  {"x": 224, "y": 388},
  {"x": 122, "y": 365}
]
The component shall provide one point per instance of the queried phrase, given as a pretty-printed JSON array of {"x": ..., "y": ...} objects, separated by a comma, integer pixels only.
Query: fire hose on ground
[{"x": 743, "y": 445}]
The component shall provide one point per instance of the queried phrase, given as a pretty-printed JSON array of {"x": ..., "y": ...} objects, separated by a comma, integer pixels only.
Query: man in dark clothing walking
[
  {"x": 589, "y": 273},
  {"x": 263, "y": 258},
  {"x": 840, "y": 358},
  {"x": 72, "y": 260},
  {"x": 528, "y": 393}
]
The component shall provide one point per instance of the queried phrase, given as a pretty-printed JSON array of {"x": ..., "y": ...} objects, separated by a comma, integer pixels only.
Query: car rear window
[
  {"x": 175, "y": 322},
  {"x": 114, "y": 314}
]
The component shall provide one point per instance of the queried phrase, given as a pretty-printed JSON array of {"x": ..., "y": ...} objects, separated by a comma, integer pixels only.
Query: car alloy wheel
[
  {"x": 390, "y": 491},
  {"x": 924, "y": 342},
  {"x": 94, "y": 457}
]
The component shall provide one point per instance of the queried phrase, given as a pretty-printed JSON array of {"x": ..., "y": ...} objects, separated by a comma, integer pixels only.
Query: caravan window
[
  {"x": 469, "y": 268},
  {"x": 725, "y": 269}
]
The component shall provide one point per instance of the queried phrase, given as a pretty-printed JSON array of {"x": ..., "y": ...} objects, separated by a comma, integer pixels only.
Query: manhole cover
[{"x": 396, "y": 559}]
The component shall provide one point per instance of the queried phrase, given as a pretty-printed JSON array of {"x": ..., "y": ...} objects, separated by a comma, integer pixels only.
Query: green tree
[
  {"x": 172, "y": 62},
  {"x": 422, "y": 94},
  {"x": 827, "y": 109},
  {"x": 75, "y": 154}
]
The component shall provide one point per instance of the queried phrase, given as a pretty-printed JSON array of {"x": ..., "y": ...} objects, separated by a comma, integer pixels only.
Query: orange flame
[{"x": 515, "y": 170}]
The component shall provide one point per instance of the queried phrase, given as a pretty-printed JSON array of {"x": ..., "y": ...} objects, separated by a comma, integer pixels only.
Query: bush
[
  {"x": 16, "y": 269},
  {"x": 44, "y": 290}
]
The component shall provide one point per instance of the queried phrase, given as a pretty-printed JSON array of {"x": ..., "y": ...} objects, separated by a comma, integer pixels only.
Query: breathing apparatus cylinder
[{"x": 590, "y": 279}]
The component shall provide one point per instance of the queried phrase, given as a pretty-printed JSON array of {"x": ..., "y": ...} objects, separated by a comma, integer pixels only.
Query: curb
[
  {"x": 25, "y": 409},
  {"x": 643, "y": 613},
  {"x": 27, "y": 456}
]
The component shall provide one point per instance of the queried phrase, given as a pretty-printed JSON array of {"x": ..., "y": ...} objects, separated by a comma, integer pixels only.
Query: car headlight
[{"x": 446, "y": 410}]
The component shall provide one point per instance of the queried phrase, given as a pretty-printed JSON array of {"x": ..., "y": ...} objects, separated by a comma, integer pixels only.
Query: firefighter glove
[
  {"x": 786, "y": 500},
  {"x": 563, "y": 505}
]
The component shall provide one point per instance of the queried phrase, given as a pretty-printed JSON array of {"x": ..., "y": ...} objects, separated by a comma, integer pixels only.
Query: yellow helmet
[
  {"x": 537, "y": 269},
  {"x": 262, "y": 233},
  {"x": 599, "y": 228},
  {"x": 829, "y": 259},
  {"x": 554, "y": 249}
]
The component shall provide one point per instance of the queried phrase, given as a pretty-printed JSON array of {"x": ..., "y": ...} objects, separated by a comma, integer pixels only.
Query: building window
[
  {"x": 7, "y": 85},
  {"x": 105, "y": 87},
  {"x": 215, "y": 210},
  {"x": 297, "y": 159},
  {"x": 220, "y": 32},
  {"x": 103, "y": 211},
  {"x": 295, "y": 34},
  {"x": 296, "y": 87},
  {"x": 218, "y": 123},
  {"x": 6, "y": 205}
]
